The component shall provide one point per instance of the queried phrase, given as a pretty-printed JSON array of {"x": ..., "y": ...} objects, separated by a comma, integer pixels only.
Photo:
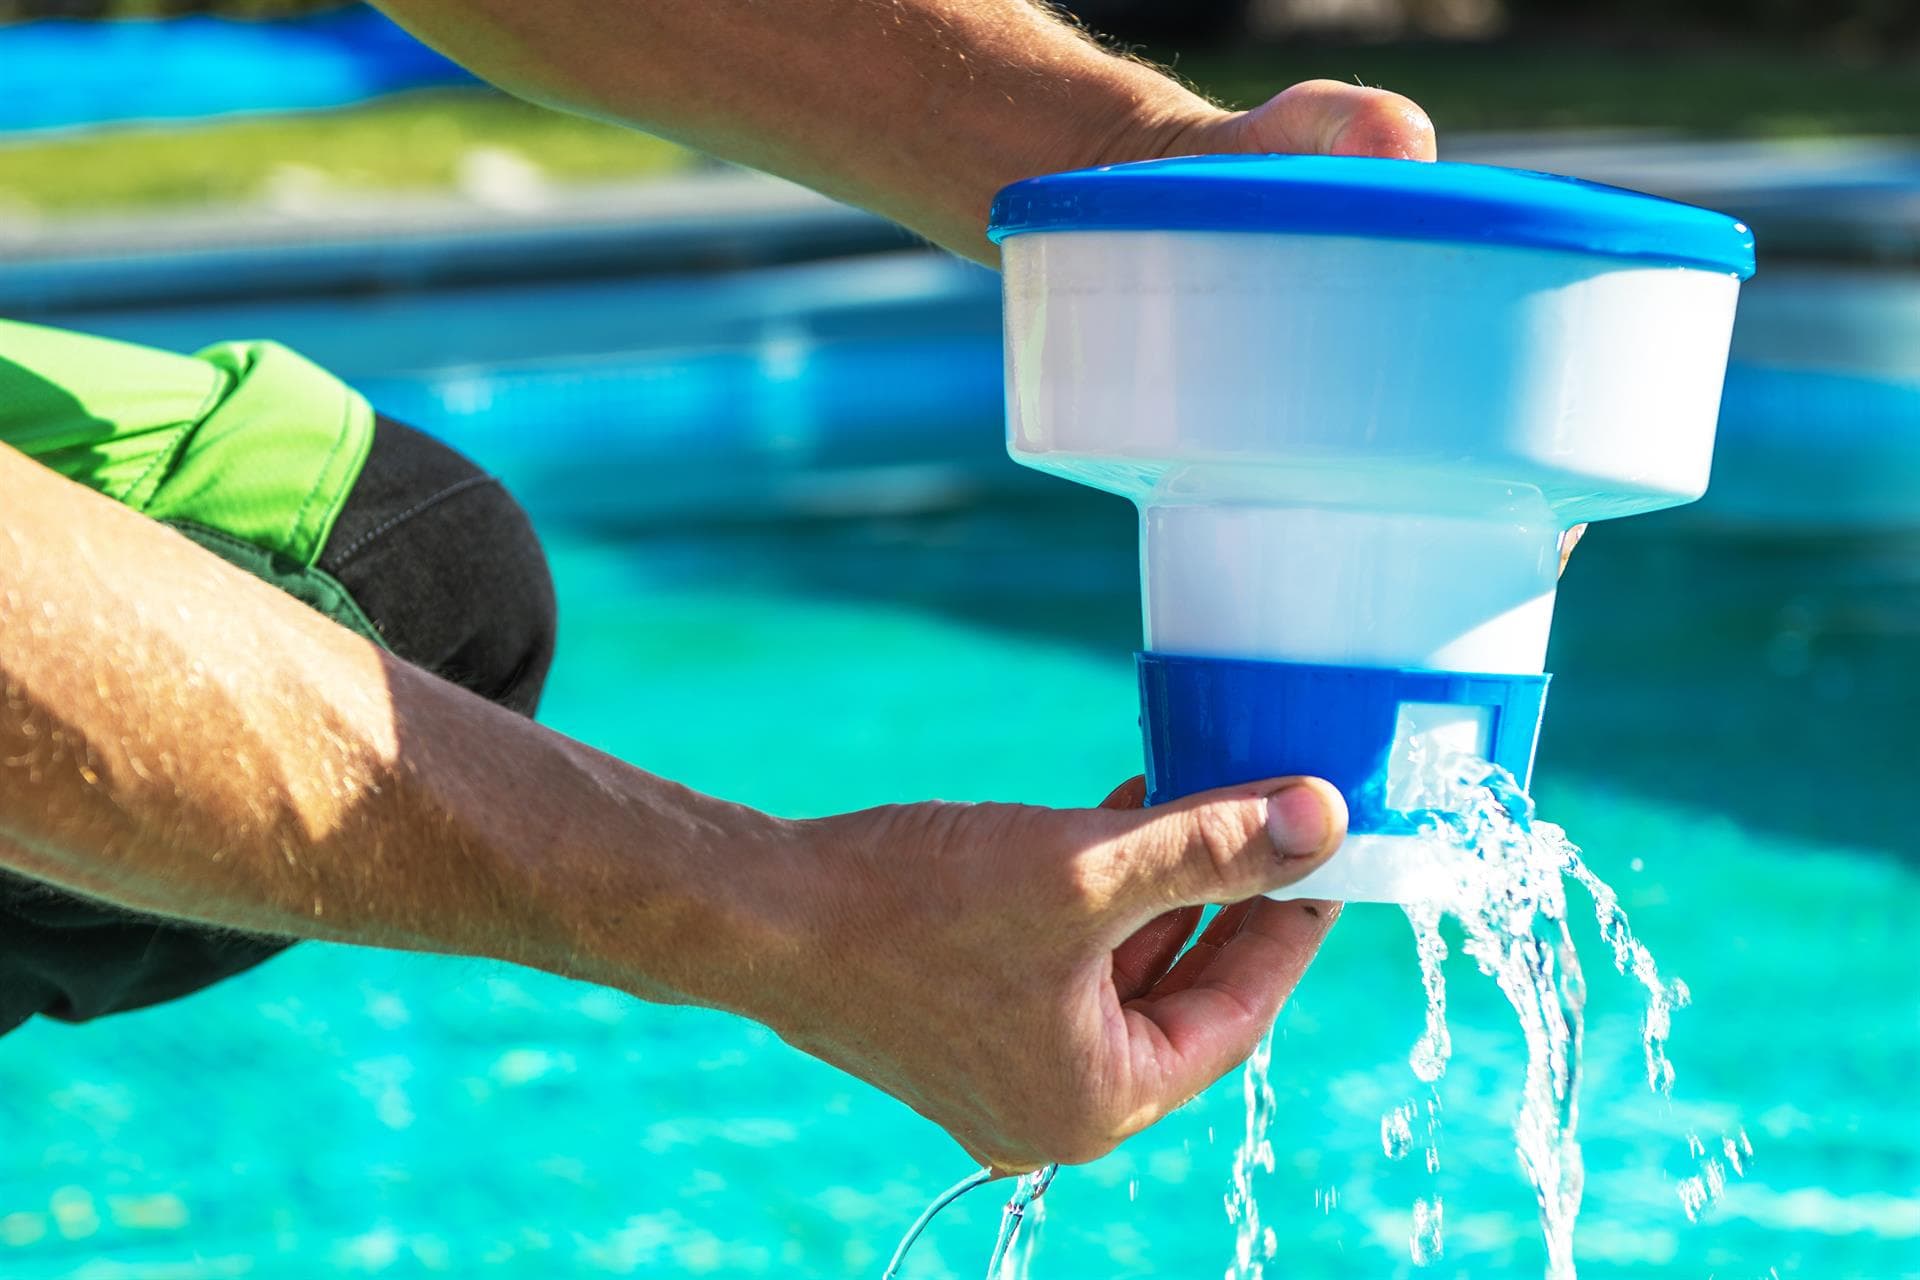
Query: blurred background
[{"x": 761, "y": 434}]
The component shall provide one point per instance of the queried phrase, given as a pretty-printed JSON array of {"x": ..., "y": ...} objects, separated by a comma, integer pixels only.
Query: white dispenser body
[{"x": 1360, "y": 450}]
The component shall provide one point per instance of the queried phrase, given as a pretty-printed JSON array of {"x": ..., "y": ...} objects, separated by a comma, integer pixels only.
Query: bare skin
[
  {"x": 917, "y": 109},
  {"x": 181, "y": 739}
]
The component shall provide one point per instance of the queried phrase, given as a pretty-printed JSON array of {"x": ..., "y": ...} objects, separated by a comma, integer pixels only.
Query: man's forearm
[
  {"x": 918, "y": 109},
  {"x": 177, "y": 737}
]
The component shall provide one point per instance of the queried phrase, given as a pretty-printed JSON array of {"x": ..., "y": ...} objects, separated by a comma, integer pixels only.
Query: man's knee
[
  {"x": 424, "y": 552},
  {"x": 446, "y": 566},
  {"x": 269, "y": 460}
]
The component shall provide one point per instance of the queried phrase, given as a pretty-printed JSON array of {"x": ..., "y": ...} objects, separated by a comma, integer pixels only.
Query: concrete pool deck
[{"x": 326, "y": 241}]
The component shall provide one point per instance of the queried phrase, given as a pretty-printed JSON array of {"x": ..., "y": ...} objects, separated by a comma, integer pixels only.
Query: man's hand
[
  {"x": 183, "y": 739},
  {"x": 1010, "y": 972}
]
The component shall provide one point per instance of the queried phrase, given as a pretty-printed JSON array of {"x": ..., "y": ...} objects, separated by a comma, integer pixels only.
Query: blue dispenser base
[{"x": 1215, "y": 722}]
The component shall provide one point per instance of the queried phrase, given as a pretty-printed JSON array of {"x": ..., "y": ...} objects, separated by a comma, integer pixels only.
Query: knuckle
[
  {"x": 1082, "y": 872},
  {"x": 1219, "y": 834},
  {"x": 1083, "y": 886},
  {"x": 918, "y": 867},
  {"x": 1044, "y": 865},
  {"x": 960, "y": 849},
  {"x": 1318, "y": 87}
]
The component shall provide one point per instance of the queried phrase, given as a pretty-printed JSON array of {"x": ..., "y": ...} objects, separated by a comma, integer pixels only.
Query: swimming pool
[{"x": 1729, "y": 739}]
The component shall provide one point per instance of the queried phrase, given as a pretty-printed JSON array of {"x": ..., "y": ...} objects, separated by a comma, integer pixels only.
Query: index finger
[{"x": 1209, "y": 1021}]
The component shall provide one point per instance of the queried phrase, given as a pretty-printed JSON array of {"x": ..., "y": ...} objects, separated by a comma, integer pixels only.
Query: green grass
[
  {"x": 424, "y": 141},
  {"x": 415, "y": 142}
]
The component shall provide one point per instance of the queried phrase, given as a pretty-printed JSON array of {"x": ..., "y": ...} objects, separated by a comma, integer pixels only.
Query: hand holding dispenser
[{"x": 1358, "y": 403}]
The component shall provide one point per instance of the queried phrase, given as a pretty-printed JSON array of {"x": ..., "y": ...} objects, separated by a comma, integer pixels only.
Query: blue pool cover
[{"x": 61, "y": 74}]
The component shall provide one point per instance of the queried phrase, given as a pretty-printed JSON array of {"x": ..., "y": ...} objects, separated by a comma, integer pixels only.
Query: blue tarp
[{"x": 59, "y": 74}]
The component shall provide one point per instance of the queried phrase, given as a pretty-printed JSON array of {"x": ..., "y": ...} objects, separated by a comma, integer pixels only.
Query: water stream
[
  {"x": 1511, "y": 909},
  {"x": 1253, "y": 1244},
  {"x": 1020, "y": 1223}
]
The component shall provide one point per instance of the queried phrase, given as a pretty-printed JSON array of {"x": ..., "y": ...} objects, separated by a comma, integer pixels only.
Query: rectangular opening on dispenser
[{"x": 1426, "y": 734}]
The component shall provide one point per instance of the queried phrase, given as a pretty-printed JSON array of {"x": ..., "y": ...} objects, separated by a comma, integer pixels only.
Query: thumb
[
  {"x": 1219, "y": 846},
  {"x": 1327, "y": 117}
]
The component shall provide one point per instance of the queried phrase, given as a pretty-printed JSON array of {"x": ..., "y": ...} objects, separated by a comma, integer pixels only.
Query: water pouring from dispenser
[{"x": 1358, "y": 403}]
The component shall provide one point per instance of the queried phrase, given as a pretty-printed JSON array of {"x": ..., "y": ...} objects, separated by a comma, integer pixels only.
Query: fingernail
[{"x": 1298, "y": 820}]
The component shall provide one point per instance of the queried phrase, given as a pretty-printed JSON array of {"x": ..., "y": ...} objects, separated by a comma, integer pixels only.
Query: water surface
[{"x": 1727, "y": 740}]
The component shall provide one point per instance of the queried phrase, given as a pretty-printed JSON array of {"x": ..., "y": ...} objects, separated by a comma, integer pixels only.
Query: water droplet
[
  {"x": 1426, "y": 1243},
  {"x": 1693, "y": 1197},
  {"x": 1396, "y": 1134}
]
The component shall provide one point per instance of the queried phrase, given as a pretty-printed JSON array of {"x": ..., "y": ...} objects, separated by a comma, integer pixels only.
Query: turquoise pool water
[{"x": 1730, "y": 739}]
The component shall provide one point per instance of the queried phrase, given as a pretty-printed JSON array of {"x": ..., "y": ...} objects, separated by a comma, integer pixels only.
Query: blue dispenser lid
[{"x": 1362, "y": 196}]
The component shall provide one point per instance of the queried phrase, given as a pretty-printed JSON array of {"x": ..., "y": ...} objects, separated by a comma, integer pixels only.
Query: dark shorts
[{"x": 433, "y": 559}]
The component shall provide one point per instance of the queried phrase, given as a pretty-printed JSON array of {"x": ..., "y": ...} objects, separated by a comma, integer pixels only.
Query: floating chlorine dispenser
[{"x": 1358, "y": 403}]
